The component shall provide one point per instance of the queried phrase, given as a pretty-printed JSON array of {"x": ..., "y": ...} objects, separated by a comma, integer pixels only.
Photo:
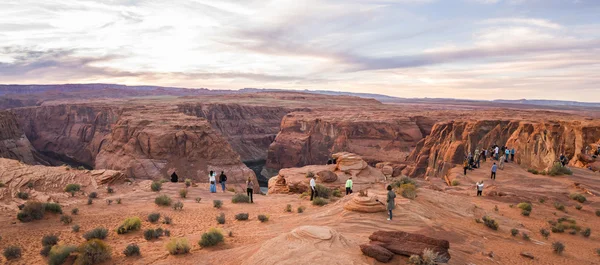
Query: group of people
[
  {"x": 474, "y": 161},
  {"x": 212, "y": 179}
]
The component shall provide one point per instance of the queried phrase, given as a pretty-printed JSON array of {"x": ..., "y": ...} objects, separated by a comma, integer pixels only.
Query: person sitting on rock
[
  {"x": 391, "y": 201},
  {"x": 494, "y": 169},
  {"x": 349, "y": 186},
  {"x": 479, "y": 188},
  {"x": 212, "y": 181},
  {"x": 174, "y": 177},
  {"x": 222, "y": 180},
  {"x": 313, "y": 188}
]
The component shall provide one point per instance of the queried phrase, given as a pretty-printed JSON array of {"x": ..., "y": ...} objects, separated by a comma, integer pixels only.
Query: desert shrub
[
  {"x": 66, "y": 219},
  {"x": 545, "y": 233},
  {"x": 572, "y": 232},
  {"x": 110, "y": 190},
  {"x": 109, "y": 201},
  {"x": 402, "y": 181},
  {"x": 178, "y": 246},
  {"x": 31, "y": 211},
  {"x": 408, "y": 191},
  {"x": 2, "y": 185},
  {"x": 211, "y": 238},
  {"x": 263, "y": 218},
  {"x": 198, "y": 200},
  {"x": 131, "y": 250},
  {"x": 578, "y": 207},
  {"x": 525, "y": 236},
  {"x": 524, "y": 206},
  {"x": 533, "y": 171},
  {"x": 72, "y": 187},
  {"x": 542, "y": 200},
  {"x": 221, "y": 218},
  {"x": 59, "y": 254},
  {"x": 415, "y": 260},
  {"x": 93, "y": 251},
  {"x": 559, "y": 170},
  {"x": 188, "y": 183},
  {"x": 75, "y": 211},
  {"x": 525, "y": 213},
  {"x": 240, "y": 198},
  {"x": 163, "y": 200},
  {"x": 96, "y": 233},
  {"x": 455, "y": 182},
  {"x": 489, "y": 222},
  {"x": 598, "y": 251},
  {"x": 53, "y": 207},
  {"x": 310, "y": 174},
  {"x": 430, "y": 257},
  {"x": 241, "y": 216},
  {"x": 300, "y": 209},
  {"x": 156, "y": 186},
  {"x": 167, "y": 220},
  {"x": 288, "y": 208},
  {"x": 319, "y": 201},
  {"x": 45, "y": 251},
  {"x": 558, "y": 247},
  {"x": 477, "y": 220},
  {"x": 150, "y": 234},
  {"x": 90, "y": 201},
  {"x": 323, "y": 191},
  {"x": 598, "y": 213},
  {"x": 49, "y": 240},
  {"x": 558, "y": 228},
  {"x": 153, "y": 217},
  {"x": 23, "y": 195},
  {"x": 559, "y": 206},
  {"x": 217, "y": 204},
  {"x": 336, "y": 193},
  {"x": 118, "y": 200},
  {"x": 167, "y": 233},
  {"x": 578, "y": 197},
  {"x": 183, "y": 193},
  {"x": 75, "y": 228},
  {"x": 565, "y": 219},
  {"x": 514, "y": 232},
  {"x": 496, "y": 208},
  {"x": 12, "y": 252},
  {"x": 586, "y": 232},
  {"x": 93, "y": 195},
  {"x": 130, "y": 224},
  {"x": 178, "y": 206}
]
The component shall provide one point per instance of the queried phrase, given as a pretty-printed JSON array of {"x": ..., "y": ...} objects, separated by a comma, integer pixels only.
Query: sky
[{"x": 472, "y": 49}]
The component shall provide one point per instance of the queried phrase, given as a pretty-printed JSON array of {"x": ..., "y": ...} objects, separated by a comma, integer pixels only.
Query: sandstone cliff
[
  {"x": 13, "y": 142},
  {"x": 537, "y": 144},
  {"x": 311, "y": 137}
]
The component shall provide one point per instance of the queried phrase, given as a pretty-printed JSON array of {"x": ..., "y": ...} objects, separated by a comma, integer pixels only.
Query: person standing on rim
[
  {"x": 250, "y": 188},
  {"x": 507, "y": 155},
  {"x": 349, "y": 186},
  {"x": 512, "y": 154},
  {"x": 222, "y": 180},
  {"x": 391, "y": 201},
  {"x": 212, "y": 181},
  {"x": 494, "y": 169},
  {"x": 479, "y": 188},
  {"x": 313, "y": 188}
]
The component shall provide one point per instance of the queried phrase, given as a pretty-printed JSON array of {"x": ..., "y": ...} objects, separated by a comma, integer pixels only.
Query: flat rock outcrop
[
  {"x": 348, "y": 162},
  {"x": 327, "y": 176},
  {"x": 407, "y": 244},
  {"x": 366, "y": 204},
  {"x": 307, "y": 245},
  {"x": 13, "y": 142}
]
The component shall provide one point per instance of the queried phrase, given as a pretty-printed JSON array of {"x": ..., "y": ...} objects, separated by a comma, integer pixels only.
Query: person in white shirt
[
  {"x": 479, "y": 188},
  {"x": 313, "y": 188},
  {"x": 496, "y": 150},
  {"x": 212, "y": 180}
]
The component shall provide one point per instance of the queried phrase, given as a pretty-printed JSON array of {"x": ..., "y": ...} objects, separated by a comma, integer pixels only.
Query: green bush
[
  {"x": 240, "y": 198},
  {"x": 72, "y": 188},
  {"x": 198, "y": 200},
  {"x": 300, "y": 209},
  {"x": 221, "y": 218},
  {"x": 53, "y": 208},
  {"x": 183, "y": 193},
  {"x": 45, "y": 251},
  {"x": 336, "y": 193},
  {"x": 150, "y": 234},
  {"x": 288, "y": 208},
  {"x": 514, "y": 232},
  {"x": 75, "y": 211},
  {"x": 178, "y": 206},
  {"x": 156, "y": 186},
  {"x": 542, "y": 200},
  {"x": 2, "y": 185},
  {"x": 323, "y": 191},
  {"x": 66, "y": 219},
  {"x": 455, "y": 182},
  {"x": 558, "y": 247},
  {"x": 558, "y": 228},
  {"x": 131, "y": 250},
  {"x": 598, "y": 213},
  {"x": 75, "y": 228},
  {"x": 153, "y": 217},
  {"x": 49, "y": 240},
  {"x": 92, "y": 252},
  {"x": 188, "y": 183},
  {"x": 118, "y": 200},
  {"x": 163, "y": 200},
  {"x": 96, "y": 233},
  {"x": 93, "y": 195},
  {"x": 241, "y": 216},
  {"x": 524, "y": 206},
  {"x": 12, "y": 252},
  {"x": 402, "y": 181},
  {"x": 110, "y": 190},
  {"x": 578, "y": 207},
  {"x": 167, "y": 233},
  {"x": 31, "y": 211},
  {"x": 572, "y": 232},
  {"x": 319, "y": 201},
  {"x": 586, "y": 232},
  {"x": 23, "y": 195},
  {"x": 533, "y": 171},
  {"x": 525, "y": 236},
  {"x": 130, "y": 224},
  {"x": 489, "y": 222},
  {"x": 90, "y": 201},
  {"x": 544, "y": 233},
  {"x": 217, "y": 204},
  {"x": 408, "y": 191},
  {"x": 559, "y": 170},
  {"x": 578, "y": 197},
  {"x": 525, "y": 213},
  {"x": 212, "y": 238},
  {"x": 263, "y": 218},
  {"x": 167, "y": 220},
  {"x": 178, "y": 246},
  {"x": 59, "y": 254},
  {"x": 559, "y": 206}
]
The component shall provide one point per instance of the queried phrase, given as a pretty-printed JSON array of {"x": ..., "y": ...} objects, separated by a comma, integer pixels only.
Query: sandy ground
[{"x": 448, "y": 214}]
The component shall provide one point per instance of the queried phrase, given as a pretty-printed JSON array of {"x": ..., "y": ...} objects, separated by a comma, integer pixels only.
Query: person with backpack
[
  {"x": 212, "y": 181},
  {"x": 349, "y": 186},
  {"x": 222, "y": 180},
  {"x": 494, "y": 169},
  {"x": 250, "y": 188}
]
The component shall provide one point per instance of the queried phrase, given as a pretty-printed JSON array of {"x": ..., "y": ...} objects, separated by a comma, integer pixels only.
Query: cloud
[{"x": 524, "y": 21}]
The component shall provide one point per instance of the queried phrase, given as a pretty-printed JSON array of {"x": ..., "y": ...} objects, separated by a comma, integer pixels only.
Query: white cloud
[{"x": 524, "y": 21}]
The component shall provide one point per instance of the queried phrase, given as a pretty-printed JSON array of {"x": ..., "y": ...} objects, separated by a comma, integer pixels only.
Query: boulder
[
  {"x": 366, "y": 204},
  {"x": 407, "y": 244},
  {"x": 278, "y": 184},
  {"x": 387, "y": 170},
  {"x": 349, "y": 161},
  {"x": 377, "y": 252},
  {"x": 327, "y": 176}
]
